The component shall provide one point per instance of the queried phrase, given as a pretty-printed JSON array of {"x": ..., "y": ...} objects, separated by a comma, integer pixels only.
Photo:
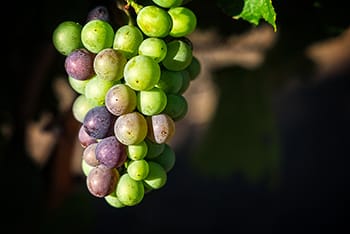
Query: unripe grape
[
  {"x": 154, "y": 21},
  {"x": 176, "y": 107},
  {"x": 97, "y": 35},
  {"x": 184, "y": 21},
  {"x": 138, "y": 169},
  {"x": 153, "y": 47},
  {"x": 170, "y": 81},
  {"x": 81, "y": 105},
  {"x": 130, "y": 128},
  {"x": 129, "y": 191},
  {"x": 66, "y": 37},
  {"x": 157, "y": 176},
  {"x": 168, "y": 3},
  {"x": 137, "y": 151},
  {"x": 113, "y": 200},
  {"x": 179, "y": 56},
  {"x": 96, "y": 89},
  {"x": 127, "y": 40},
  {"x": 109, "y": 64},
  {"x": 77, "y": 85},
  {"x": 167, "y": 158},
  {"x": 151, "y": 102}
]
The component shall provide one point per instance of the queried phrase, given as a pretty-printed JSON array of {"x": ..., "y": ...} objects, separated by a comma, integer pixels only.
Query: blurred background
[{"x": 264, "y": 147}]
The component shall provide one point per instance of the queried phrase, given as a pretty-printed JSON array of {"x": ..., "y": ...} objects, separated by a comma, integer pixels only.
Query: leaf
[{"x": 255, "y": 10}]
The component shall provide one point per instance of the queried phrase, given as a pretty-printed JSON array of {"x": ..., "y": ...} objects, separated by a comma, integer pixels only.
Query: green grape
[
  {"x": 151, "y": 102},
  {"x": 167, "y": 158},
  {"x": 168, "y": 3},
  {"x": 113, "y": 200},
  {"x": 81, "y": 105},
  {"x": 97, "y": 35},
  {"x": 179, "y": 55},
  {"x": 109, "y": 64},
  {"x": 186, "y": 81},
  {"x": 127, "y": 40},
  {"x": 194, "y": 68},
  {"x": 130, "y": 128},
  {"x": 153, "y": 47},
  {"x": 129, "y": 191},
  {"x": 77, "y": 85},
  {"x": 96, "y": 89},
  {"x": 138, "y": 169},
  {"x": 154, "y": 149},
  {"x": 137, "y": 151},
  {"x": 154, "y": 21},
  {"x": 67, "y": 37},
  {"x": 176, "y": 107},
  {"x": 170, "y": 81},
  {"x": 120, "y": 99},
  {"x": 184, "y": 21},
  {"x": 141, "y": 73},
  {"x": 157, "y": 176}
]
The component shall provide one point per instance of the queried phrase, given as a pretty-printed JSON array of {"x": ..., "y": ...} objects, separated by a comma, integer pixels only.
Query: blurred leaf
[{"x": 255, "y": 10}]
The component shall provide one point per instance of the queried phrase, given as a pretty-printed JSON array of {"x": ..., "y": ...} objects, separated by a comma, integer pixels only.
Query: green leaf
[{"x": 255, "y": 10}]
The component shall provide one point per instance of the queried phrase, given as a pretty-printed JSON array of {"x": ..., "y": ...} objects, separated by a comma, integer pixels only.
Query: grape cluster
[{"x": 130, "y": 82}]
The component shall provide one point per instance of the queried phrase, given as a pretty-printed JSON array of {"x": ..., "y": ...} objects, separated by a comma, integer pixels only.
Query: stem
[{"x": 137, "y": 7}]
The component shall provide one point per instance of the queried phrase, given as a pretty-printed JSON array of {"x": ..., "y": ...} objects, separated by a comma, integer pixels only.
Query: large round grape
[
  {"x": 157, "y": 176},
  {"x": 141, "y": 73},
  {"x": 131, "y": 128},
  {"x": 98, "y": 122},
  {"x": 153, "y": 47},
  {"x": 109, "y": 64},
  {"x": 66, "y": 37},
  {"x": 127, "y": 40},
  {"x": 184, "y": 21},
  {"x": 154, "y": 21},
  {"x": 102, "y": 181},
  {"x": 151, "y": 102},
  {"x": 97, "y": 35},
  {"x": 130, "y": 192},
  {"x": 168, "y": 3},
  {"x": 161, "y": 128},
  {"x": 110, "y": 152},
  {"x": 120, "y": 99},
  {"x": 179, "y": 55},
  {"x": 79, "y": 64}
]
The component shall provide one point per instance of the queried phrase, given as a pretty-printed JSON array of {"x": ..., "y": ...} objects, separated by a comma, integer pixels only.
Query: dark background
[{"x": 289, "y": 176}]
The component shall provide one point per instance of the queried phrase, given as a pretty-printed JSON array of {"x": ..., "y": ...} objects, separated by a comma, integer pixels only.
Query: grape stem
[{"x": 137, "y": 7}]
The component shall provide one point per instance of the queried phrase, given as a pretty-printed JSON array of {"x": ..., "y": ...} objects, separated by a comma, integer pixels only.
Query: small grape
[
  {"x": 98, "y": 122},
  {"x": 77, "y": 85},
  {"x": 141, "y": 73},
  {"x": 130, "y": 192},
  {"x": 170, "y": 81},
  {"x": 157, "y": 176},
  {"x": 153, "y": 47},
  {"x": 84, "y": 138},
  {"x": 86, "y": 168},
  {"x": 168, "y": 3},
  {"x": 66, "y": 37},
  {"x": 79, "y": 64},
  {"x": 120, "y": 99},
  {"x": 110, "y": 152},
  {"x": 101, "y": 180},
  {"x": 179, "y": 56},
  {"x": 161, "y": 128},
  {"x": 184, "y": 21},
  {"x": 137, "y": 151},
  {"x": 127, "y": 40},
  {"x": 176, "y": 107},
  {"x": 154, "y": 149},
  {"x": 151, "y": 102},
  {"x": 113, "y": 200},
  {"x": 81, "y": 105},
  {"x": 89, "y": 154},
  {"x": 186, "y": 81},
  {"x": 138, "y": 169},
  {"x": 194, "y": 68},
  {"x": 131, "y": 128},
  {"x": 98, "y": 12},
  {"x": 97, "y": 35},
  {"x": 96, "y": 89},
  {"x": 167, "y": 158},
  {"x": 109, "y": 64},
  {"x": 154, "y": 21}
]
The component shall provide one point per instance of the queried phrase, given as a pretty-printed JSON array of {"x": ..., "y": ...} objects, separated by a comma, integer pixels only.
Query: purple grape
[
  {"x": 79, "y": 64},
  {"x": 98, "y": 12},
  {"x": 102, "y": 181},
  {"x": 98, "y": 122},
  {"x": 89, "y": 155},
  {"x": 110, "y": 152},
  {"x": 84, "y": 138}
]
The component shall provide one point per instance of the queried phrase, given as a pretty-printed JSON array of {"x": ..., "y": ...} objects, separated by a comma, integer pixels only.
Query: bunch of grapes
[{"x": 130, "y": 82}]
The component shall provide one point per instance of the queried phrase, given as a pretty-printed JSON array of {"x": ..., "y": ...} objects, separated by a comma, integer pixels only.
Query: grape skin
[
  {"x": 110, "y": 152},
  {"x": 98, "y": 121}
]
